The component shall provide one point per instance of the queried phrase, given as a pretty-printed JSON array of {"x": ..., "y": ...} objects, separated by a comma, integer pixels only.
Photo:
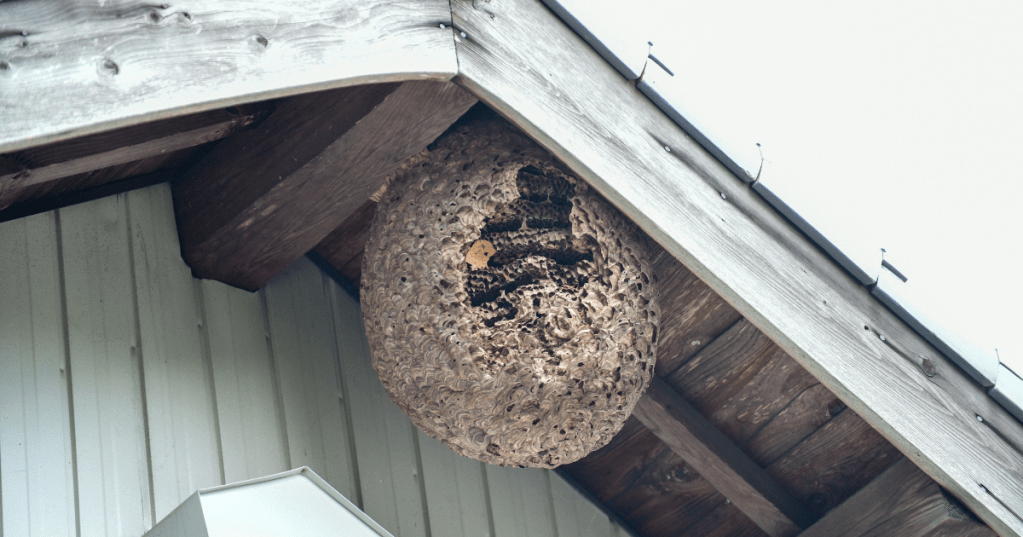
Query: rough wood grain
[
  {"x": 692, "y": 314},
  {"x": 73, "y": 68},
  {"x": 667, "y": 497},
  {"x": 804, "y": 414},
  {"x": 834, "y": 462},
  {"x": 725, "y": 520},
  {"x": 724, "y": 367},
  {"x": 572, "y": 102},
  {"x": 30, "y": 170},
  {"x": 610, "y": 470},
  {"x": 265, "y": 197},
  {"x": 344, "y": 246},
  {"x": 901, "y": 501},
  {"x": 738, "y": 478}
]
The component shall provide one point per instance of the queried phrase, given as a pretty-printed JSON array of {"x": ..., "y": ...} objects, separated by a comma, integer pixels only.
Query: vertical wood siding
[{"x": 126, "y": 384}]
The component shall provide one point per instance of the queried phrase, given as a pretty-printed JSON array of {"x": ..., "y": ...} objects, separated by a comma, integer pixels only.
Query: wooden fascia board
[
  {"x": 73, "y": 69},
  {"x": 522, "y": 61}
]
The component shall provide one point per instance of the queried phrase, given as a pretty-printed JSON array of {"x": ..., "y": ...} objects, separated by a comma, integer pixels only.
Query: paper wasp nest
[{"x": 509, "y": 308}]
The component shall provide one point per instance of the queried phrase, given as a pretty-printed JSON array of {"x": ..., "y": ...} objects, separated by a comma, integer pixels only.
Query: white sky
[{"x": 888, "y": 124}]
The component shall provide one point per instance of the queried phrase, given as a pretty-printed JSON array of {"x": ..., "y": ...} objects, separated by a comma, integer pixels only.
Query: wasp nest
[{"x": 508, "y": 307}]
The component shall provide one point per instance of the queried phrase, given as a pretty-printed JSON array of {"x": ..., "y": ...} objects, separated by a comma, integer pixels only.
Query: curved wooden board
[
  {"x": 68, "y": 69},
  {"x": 522, "y": 61}
]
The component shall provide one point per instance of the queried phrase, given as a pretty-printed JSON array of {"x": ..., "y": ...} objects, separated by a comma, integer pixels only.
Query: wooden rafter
[
  {"x": 262, "y": 199},
  {"x": 902, "y": 501},
  {"x": 720, "y": 462},
  {"x": 41, "y": 168}
]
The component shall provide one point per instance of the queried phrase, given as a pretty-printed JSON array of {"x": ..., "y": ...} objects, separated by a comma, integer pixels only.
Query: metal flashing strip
[
  {"x": 743, "y": 162},
  {"x": 981, "y": 366},
  {"x": 1008, "y": 391},
  {"x": 631, "y": 66},
  {"x": 762, "y": 186}
]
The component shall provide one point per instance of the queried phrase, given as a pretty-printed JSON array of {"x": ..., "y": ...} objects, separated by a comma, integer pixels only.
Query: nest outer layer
[{"x": 536, "y": 359}]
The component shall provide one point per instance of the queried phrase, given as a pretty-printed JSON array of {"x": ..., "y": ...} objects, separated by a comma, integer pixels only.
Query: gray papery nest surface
[{"x": 536, "y": 357}]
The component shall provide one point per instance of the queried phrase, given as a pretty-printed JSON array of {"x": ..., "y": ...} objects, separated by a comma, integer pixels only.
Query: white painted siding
[{"x": 125, "y": 385}]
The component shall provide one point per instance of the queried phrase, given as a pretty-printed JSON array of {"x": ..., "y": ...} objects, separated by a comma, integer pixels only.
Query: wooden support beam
[
  {"x": 68, "y": 69},
  {"x": 720, "y": 462},
  {"x": 901, "y": 501},
  {"x": 265, "y": 197},
  {"x": 31, "y": 168},
  {"x": 576, "y": 105}
]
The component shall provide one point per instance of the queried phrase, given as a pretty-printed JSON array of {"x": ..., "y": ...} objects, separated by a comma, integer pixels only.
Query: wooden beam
[
  {"x": 901, "y": 501},
  {"x": 265, "y": 197},
  {"x": 68, "y": 69},
  {"x": 573, "y": 103},
  {"x": 35, "y": 166},
  {"x": 720, "y": 462}
]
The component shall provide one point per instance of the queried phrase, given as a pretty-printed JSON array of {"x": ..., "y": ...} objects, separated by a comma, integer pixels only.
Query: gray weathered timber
[
  {"x": 31, "y": 167},
  {"x": 902, "y": 501},
  {"x": 720, "y": 462},
  {"x": 73, "y": 68},
  {"x": 262, "y": 199},
  {"x": 572, "y": 102}
]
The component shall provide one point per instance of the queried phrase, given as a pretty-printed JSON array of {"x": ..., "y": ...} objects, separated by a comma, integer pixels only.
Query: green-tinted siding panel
[
  {"x": 36, "y": 481},
  {"x": 385, "y": 444},
  {"x": 575, "y": 515},
  {"x": 521, "y": 501},
  {"x": 455, "y": 491},
  {"x": 305, "y": 353},
  {"x": 184, "y": 450},
  {"x": 251, "y": 433},
  {"x": 110, "y": 437}
]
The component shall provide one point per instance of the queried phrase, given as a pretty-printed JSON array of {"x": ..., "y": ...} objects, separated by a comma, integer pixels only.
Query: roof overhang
[{"x": 517, "y": 57}]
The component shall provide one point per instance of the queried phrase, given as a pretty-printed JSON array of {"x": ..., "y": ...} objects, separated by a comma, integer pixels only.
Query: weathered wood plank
[
  {"x": 36, "y": 466},
  {"x": 668, "y": 496},
  {"x": 30, "y": 169},
  {"x": 725, "y": 520},
  {"x": 610, "y": 470},
  {"x": 385, "y": 440},
  {"x": 114, "y": 490},
  {"x": 70, "y": 69},
  {"x": 692, "y": 314},
  {"x": 344, "y": 246},
  {"x": 573, "y": 103},
  {"x": 98, "y": 184},
  {"x": 804, "y": 415},
  {"x": 711, "y": 454},
  {"x": 262, "y": 199},
  {"x": 183, "y": 443},
  {"x": 724, "y": 367},
  {"x": 252, "y": 436},
  {"x": 521, "y": 501},
  {"x": 901, "y": 501},
  {"x": 305, "y": 353},
  {"x": 834, "y": 462},
  {"x": 455, "y": 490}
]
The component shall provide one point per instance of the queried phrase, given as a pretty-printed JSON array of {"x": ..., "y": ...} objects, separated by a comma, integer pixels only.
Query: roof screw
[
  {"x": 442, "y": 26},
  {"x": 727, "y": 501},
  {"x": 980, "y": 419},
  {"x": 881, "y": 337},
  {"x": 668, "y": 149},
  {"x": 462, "y": 34},
  {"x": 723, "y": 196}
]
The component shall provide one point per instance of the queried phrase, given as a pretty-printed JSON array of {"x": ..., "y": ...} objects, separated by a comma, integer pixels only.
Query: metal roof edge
[
  {"x": 983, "y": 368},
  {"x": 620, "y": 64}
]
